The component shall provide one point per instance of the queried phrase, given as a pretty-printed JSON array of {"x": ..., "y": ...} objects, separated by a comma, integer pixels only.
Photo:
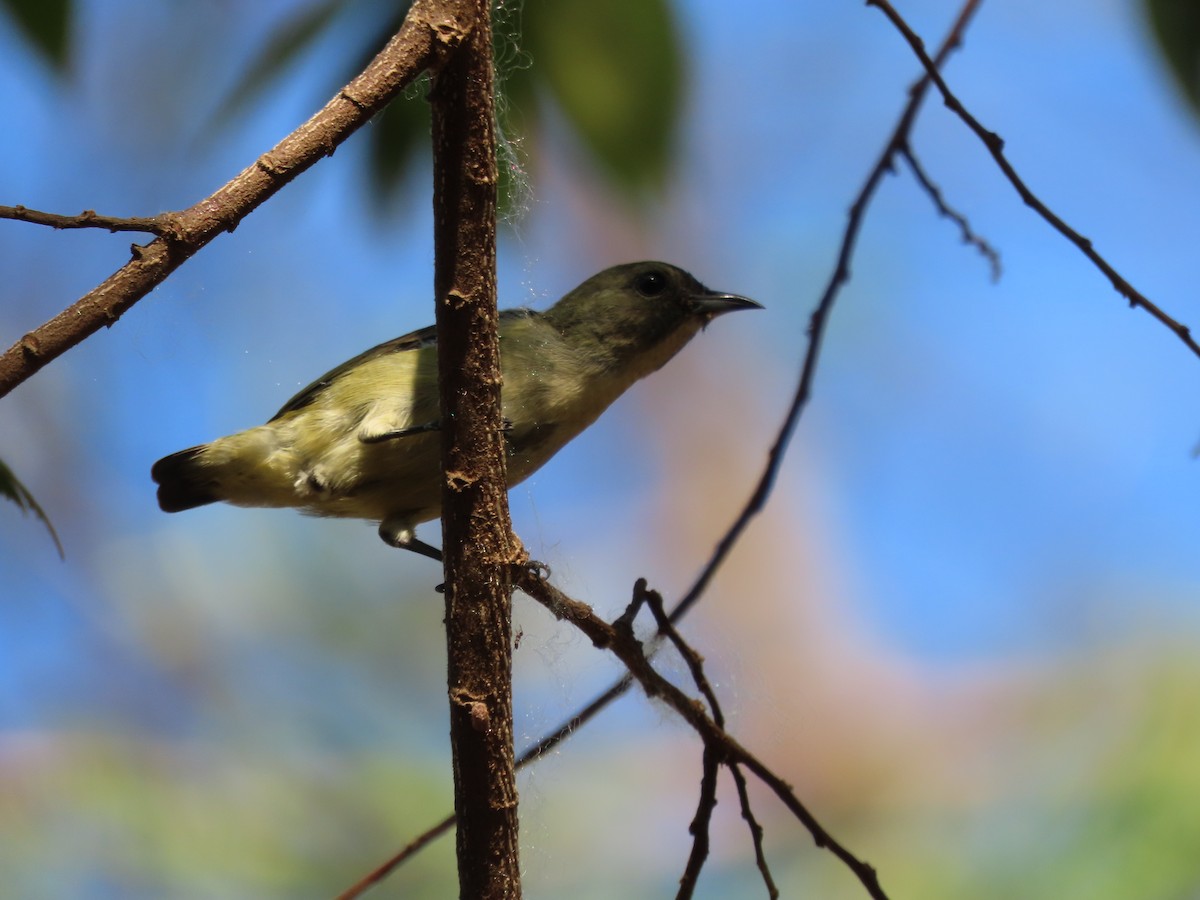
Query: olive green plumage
[{"x": 362, "y": 441}]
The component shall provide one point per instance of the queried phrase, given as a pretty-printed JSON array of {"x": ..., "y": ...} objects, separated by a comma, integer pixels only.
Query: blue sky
[{"x": 995, "y": 454}]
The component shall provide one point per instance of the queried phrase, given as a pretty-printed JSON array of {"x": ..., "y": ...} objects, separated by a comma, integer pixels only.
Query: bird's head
[{"x": 639, "y": 315}]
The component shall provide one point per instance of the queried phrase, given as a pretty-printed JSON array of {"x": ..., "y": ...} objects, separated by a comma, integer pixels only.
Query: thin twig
[
  {"x": 163, "y": 225},
  {"x": 571, "y": 725},
  {"x": 995, "y": 146},
  {"x": 695, "y": 664},
  {"x": 533, "y": 753},
  {"x": 630, "y": 651},
  {"x": 693, "y": 660},
  {"x": 756, "y": 831},
  {"x": 378, "y": 874},
  {"x": 820, "y": 317},
  {"x": 705, "y": 804},
  {"x": 945, "y": 209}
]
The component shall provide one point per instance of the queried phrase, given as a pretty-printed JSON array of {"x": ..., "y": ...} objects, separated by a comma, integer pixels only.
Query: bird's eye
[{"x": 650, "y": 284}]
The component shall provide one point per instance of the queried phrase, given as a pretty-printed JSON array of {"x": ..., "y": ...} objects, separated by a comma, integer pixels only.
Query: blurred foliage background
[{"x": 965, "y": 629}]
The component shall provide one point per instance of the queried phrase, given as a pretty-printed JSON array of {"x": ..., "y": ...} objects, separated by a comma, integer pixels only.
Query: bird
[{"x": 362, "y": 440}]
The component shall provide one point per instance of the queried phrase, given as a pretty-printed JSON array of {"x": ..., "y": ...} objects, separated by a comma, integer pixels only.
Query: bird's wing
[
  {"x": 395, "y": 389},
  {"x": 414, "y": 340}
]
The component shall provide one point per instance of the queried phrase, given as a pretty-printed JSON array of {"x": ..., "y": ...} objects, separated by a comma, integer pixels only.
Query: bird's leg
[
  {"x": 404, "y": 538},
  {"x": 506, "y": 425},
  {"x": 521, "y": 562},
  {"x": 418, "y": 546}
]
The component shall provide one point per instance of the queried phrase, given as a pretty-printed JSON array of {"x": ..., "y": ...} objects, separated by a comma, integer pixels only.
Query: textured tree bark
[{"x": 478, "y": 545}]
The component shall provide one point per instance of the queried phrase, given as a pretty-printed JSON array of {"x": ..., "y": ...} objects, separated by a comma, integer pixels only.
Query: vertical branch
[{"x": 478, "y": 545}]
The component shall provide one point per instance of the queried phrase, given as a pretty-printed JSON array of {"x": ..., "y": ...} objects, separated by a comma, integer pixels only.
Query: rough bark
[{"x": 478, "y": 546}]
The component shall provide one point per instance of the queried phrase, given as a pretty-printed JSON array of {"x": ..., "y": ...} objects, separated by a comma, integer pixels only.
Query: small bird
[{"x": 362, "y": 441}]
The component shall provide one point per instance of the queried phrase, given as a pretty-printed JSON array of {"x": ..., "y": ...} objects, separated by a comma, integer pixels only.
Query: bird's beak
[{"x": 710, "y": 304}]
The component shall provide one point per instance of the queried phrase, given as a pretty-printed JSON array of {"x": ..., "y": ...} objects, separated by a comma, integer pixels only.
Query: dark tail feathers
[{"x": 182, "y": 484}]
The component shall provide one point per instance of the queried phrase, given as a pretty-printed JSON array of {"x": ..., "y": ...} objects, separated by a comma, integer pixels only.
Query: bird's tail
[{"x": 182, "y": 482}]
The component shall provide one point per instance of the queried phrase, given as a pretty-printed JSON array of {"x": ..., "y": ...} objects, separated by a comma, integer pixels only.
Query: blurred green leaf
[
  {"x": 290, "y": 39},
  {"x": 397, "y": 135},
  {"x": 1176, "y": 26},
  {"x": 616, "y": 71},
  {"x": 46, "y": 25},
  {"x": 401, "y": 130},
  {"x": 12, "y": 489}
]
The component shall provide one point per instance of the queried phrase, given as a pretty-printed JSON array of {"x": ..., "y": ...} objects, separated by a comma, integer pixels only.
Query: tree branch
[
  {"x": 986, "y": 250},
  {"x": 695, "y": 664},
  {"x": 430, "y": 31},
  {"x": 89, "y": 218},
  {"x": 531, "y": 755},
  {"x": 378, "y": 874},
  {"x": 756, "y": 832},
  {"x": 478, "y": 547},
  {"x": 820, "y": 315},
  {"x": 705, "y": 804},
  {"x": 622, "y": 643},
  {"x": 995, "y": 146}
]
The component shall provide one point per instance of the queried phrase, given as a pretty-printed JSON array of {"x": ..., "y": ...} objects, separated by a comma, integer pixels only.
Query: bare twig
[
  {"x": 161, "y": 225},
  {"x": 707, "y": 800},
  {"x": 944, "y": 209},
  {"x": 693, "y": 660},
  {"x": 995, "y": 146},
  {"x": 820, "y": 316},
  {"x": 705, "y": 804},
  {"x": 756, "y": 831},
  {"x": 695, "y": 664},
  {"x": 533, "y": 753},
  {"x": 377, "y": 875},
  {"x": 625, "y": 646},
  {"x": 431, "y": 29},
  {"x": 572, "y": 724}
]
